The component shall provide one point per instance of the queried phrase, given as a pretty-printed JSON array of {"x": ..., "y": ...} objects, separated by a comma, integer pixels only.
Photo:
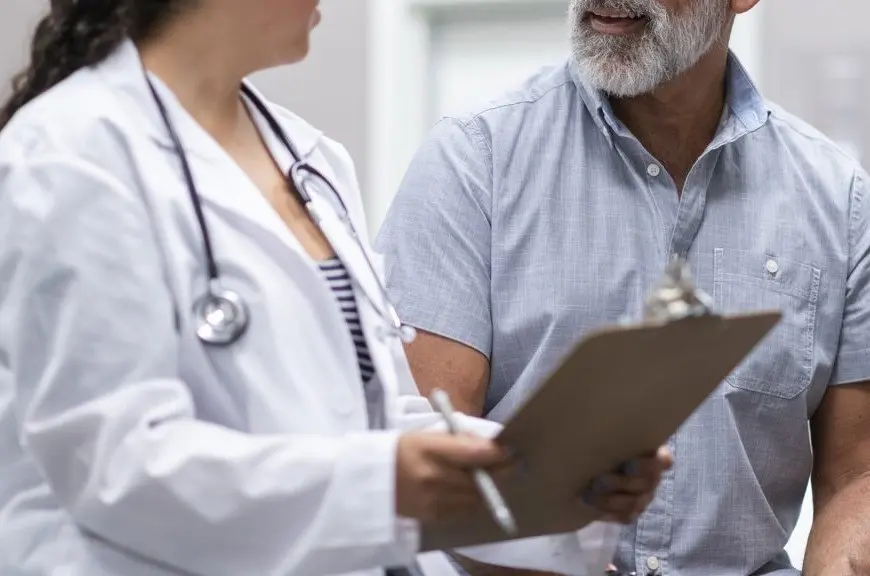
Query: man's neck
[{"x": 677, "y": 121}]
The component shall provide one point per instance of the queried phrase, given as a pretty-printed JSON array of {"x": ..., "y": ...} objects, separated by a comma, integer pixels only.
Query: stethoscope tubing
[{"x": 217, "y": 296}]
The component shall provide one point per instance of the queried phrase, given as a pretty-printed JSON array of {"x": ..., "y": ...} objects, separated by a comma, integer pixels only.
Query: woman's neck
[{"x": 203, "y": 69}]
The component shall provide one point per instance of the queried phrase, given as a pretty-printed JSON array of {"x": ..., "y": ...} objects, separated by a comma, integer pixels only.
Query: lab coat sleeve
[
  {"x": 586, "y": 552},
  {"x": 88, "y": 324}
]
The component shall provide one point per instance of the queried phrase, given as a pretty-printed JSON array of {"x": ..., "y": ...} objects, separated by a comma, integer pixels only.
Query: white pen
[{"x": 485, "y": 484}]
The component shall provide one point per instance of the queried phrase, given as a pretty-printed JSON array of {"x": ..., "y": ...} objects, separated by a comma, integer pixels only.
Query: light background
[{"x": 382, "y": 71}]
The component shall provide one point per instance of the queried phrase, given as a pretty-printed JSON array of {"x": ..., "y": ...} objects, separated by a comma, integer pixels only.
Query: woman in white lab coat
[{"x": 197, "y": 375}]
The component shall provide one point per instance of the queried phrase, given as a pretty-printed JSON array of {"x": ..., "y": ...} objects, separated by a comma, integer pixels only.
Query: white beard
[{"x": 626, "y": 66}]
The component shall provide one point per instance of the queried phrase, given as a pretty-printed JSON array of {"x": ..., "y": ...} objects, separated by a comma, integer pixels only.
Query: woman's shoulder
[
  {"x": 69, "y": 147},
  {"x": 76, "y": 115}
]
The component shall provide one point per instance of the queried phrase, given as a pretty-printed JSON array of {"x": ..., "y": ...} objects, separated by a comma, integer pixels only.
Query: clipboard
[{"x": 621, "y": 392}]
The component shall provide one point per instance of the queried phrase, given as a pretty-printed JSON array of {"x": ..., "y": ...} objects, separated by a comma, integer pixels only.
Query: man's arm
[
  {"x": 462, "y": 372},
  {"x": 839, "y": 543},
  {"x": 840, "y": 539},
  {"x": 436, "y": 243}
]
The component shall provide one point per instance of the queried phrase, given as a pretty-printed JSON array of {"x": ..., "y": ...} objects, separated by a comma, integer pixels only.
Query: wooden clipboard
[{"x": 621, "y": 392}]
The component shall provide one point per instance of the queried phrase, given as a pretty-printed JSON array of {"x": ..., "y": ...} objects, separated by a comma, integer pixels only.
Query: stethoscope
[{"x": 222, "y": 315}]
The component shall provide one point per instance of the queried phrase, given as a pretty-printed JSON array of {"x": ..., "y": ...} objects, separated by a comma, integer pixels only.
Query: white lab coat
[{"x": 127, "y": 448}]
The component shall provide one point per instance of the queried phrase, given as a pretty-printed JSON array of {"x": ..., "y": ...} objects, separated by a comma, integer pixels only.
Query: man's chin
[{"x": 617, "y": 79}]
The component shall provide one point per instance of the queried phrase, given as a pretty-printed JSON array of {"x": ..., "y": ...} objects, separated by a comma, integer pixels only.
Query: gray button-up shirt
[{"x": 528, "y": 223}]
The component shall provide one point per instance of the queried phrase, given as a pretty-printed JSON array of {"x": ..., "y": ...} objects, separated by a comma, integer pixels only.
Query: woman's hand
[
  {"x": 434, "y": 473},
  {"x": 624, "y": 495}
]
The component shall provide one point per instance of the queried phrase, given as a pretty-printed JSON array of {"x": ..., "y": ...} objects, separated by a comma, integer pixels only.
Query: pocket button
[{"x": 772, "y": 267}]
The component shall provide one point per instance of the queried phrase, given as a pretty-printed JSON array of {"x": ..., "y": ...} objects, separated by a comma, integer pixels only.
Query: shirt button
[
  {"x": 653, "y": 170},
  {"x": 772, "y": 267},
  {"x": 653, "y": 563}
]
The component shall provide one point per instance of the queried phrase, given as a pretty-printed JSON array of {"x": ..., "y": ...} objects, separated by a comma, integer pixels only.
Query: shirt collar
[{"x": 743, "y": 104}]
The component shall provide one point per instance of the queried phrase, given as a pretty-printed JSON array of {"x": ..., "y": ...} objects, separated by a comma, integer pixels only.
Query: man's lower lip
[{"x": 616, "y": 26}]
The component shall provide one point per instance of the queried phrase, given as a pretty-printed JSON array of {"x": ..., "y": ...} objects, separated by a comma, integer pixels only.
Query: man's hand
[
  {"x": 621, "y": 496},
  {"x": 624, "y": 495},
  {"x": 839, "y": 543}
]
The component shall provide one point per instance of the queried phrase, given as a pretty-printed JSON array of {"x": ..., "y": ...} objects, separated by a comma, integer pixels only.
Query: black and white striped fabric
[{"x": 339, "y": 280}]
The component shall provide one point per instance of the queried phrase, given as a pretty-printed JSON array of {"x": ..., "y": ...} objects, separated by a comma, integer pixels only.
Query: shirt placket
[{"x": 681, "y": 215}]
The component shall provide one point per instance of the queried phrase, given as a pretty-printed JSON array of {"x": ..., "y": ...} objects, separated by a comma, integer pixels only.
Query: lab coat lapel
[
  {"x": 225, "y": 190},
  {"x": 222, "y": 185},
  {"x": 368, "y": 291},
  {"x": 351, "y": 251},
  {"x": 380, "y": 347}
]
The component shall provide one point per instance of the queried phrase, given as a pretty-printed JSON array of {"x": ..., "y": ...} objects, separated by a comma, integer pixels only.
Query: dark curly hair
[{"x": 80, "y": 33}]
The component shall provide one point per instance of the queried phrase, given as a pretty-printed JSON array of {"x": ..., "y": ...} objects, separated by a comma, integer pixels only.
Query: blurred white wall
[
  {"x": 817, "y": 65},
  {"x": 17, "y": 19}
]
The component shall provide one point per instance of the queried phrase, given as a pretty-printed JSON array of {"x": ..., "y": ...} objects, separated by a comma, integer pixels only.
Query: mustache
[{"x": 652, "y": 9}]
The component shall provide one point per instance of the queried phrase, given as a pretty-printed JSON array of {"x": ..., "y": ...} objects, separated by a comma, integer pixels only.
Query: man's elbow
[
  {"x": 459, "y": 370},
  {"x": 848, "y": 483}
]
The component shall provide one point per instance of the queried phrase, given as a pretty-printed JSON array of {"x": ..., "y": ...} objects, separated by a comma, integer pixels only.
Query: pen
[{"x": 485, "y": 484}]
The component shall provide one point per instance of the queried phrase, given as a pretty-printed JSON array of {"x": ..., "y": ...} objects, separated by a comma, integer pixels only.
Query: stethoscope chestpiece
[{"x": 221, "y": 315}]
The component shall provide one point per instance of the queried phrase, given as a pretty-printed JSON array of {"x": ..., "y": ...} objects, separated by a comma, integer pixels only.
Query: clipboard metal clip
[{"x": 676, "y": 296}]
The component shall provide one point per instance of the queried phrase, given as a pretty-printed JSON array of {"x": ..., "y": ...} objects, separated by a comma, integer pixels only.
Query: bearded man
[{"x": 553, "y": 211}]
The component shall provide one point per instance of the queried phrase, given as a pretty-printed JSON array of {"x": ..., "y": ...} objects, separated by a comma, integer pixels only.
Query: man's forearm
[{"x": 839, "y": 543}]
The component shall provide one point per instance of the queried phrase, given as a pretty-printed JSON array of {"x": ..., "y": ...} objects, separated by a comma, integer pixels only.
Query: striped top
[{"x": 339, "y": 280}]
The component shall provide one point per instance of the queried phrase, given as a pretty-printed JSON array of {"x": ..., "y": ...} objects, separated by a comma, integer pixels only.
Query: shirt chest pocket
[{"x": 782, "y": 364}]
